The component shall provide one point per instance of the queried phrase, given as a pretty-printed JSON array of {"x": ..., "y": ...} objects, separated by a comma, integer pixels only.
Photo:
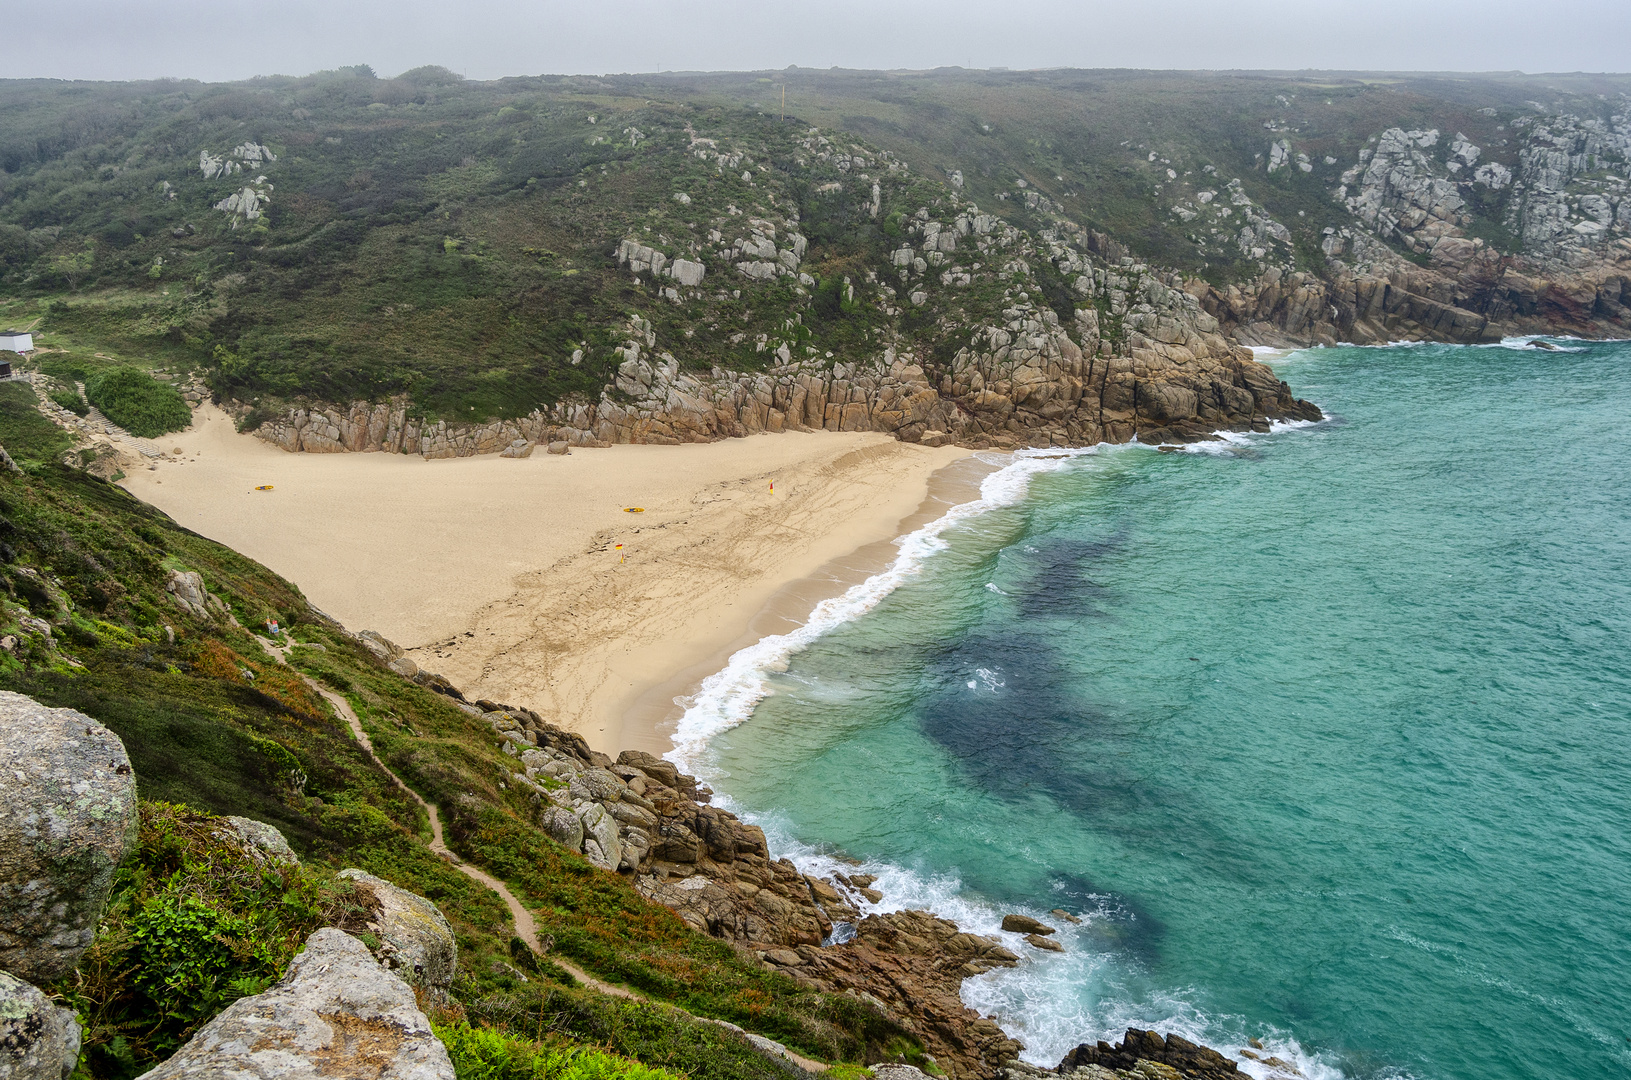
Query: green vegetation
[
  {"x": 194, "y": 923},
  {"x": 485, "y": 1054},
  {"x": 137, "y": 402},
  {"x": 452, "y": 243},
  {"x": 215, "y": 726},
  {"x": 30, "y": 438},
  {"x": 71, "y": 400}
]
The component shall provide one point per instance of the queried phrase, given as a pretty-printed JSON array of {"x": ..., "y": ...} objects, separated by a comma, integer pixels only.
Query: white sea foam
[
  {"x": 1525, "y": 342},
  {"x": 1041, "y": 1002},
  {"x": 727, "y": 698},
  {"x": 1227, "y": 442}
]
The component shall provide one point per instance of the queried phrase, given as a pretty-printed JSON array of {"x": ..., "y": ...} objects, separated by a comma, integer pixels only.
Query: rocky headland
[
  {"x": 355, "y": 1007},
  {"x": 1169, "y": 375}
]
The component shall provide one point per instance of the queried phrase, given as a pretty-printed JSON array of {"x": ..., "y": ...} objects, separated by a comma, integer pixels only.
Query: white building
[{"x": 17, "y": 341}]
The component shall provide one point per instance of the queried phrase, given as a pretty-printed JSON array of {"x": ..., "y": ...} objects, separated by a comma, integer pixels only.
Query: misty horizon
[{"x": 485, "y": 40}]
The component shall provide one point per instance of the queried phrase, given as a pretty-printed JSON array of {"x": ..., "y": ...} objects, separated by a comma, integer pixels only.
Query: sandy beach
[{"x": 504, "y": 575}]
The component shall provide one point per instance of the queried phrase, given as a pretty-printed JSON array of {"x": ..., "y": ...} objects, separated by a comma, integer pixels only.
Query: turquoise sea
[{"x": 1326, "y": 733}]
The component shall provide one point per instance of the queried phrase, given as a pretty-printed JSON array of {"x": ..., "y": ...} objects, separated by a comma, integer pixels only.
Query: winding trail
[{"x": 525, "y": 927}]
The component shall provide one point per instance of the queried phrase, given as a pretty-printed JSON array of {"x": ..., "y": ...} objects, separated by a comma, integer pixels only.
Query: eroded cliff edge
[{"x": 1143, "y": 361}]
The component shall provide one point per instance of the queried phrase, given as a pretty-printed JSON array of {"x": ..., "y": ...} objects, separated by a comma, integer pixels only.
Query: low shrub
[
  {"x": 137, "y": 402},
  {"x": 70, "y": 400},
  {"x": 658, "y": 1036},
  {"x": 487, "y": 1054},
  {"x": 195, "y": 922}
]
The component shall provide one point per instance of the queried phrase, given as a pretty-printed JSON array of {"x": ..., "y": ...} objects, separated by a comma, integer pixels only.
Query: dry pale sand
[{"x": 503, "y": 574}]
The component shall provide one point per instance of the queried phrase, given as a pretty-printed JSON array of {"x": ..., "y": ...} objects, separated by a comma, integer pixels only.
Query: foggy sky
[{"x": 221, "y": 39}]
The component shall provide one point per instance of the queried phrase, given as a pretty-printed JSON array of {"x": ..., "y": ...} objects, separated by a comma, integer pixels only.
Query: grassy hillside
[
  {"x": 342, "y": 236},
  {"x": 214, "y": 726}
]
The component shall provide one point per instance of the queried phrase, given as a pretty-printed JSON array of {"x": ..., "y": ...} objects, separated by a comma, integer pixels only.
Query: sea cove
[{"x": 1323, "y": 731}]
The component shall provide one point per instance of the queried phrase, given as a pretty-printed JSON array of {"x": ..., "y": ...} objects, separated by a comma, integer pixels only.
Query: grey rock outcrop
[
  {"x": 897, "y": 1070},
  {"x": 186, "y": 588},
  {"x": 67, "y": 819},
  {"x": 335, "y": 1013},
  {"x": 378, "y": 644},
  {"x": 38, "y": 1040},
  {"x": 261, "y": 841},
  {"x": 416, "y": 941}
]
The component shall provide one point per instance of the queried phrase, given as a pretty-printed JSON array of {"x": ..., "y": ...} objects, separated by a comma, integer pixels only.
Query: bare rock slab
[
  {"x": 38, "y": 1040},
  {"x": 67, "y": 819},
  {"x": 416, "y": 941},
  {"x": 336, "y": 1013},
  {"x": 1024, "y": 924}
]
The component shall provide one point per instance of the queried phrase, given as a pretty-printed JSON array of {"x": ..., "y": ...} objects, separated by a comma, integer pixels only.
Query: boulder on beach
[
  {"x": 67, "y": 819},
  {"x": 336, "y": 1013}
]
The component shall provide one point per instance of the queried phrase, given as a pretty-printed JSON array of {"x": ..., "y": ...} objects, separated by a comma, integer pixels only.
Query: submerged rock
[
  {"x": 38, "y": 1040},
  {"x": 1037, "y": 941},
  {"x": 67, "y": 819},
  {"x": 416, "y": 940},
  {"x": 336, "y": 1013}
]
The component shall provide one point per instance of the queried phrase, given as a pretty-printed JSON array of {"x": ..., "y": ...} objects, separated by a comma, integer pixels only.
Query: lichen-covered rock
[
  {"x": 260, "y": 840},
  {"x": 563, "y": 827},
  {"x": 38, "y": 1040},
  {"x": 416, "y": 941},
  {"x": 186, "y": 588},
  {"x": 600, "y": 840},
  {"x": 67, "y": 819},
  {"x": 336, "y": 1013}
]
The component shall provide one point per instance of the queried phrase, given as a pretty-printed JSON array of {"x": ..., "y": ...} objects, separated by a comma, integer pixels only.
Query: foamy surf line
[
  {"x": 1040, "y": 1002},
  {"x": 728, "y": 697},
  {"x": 1037, "y": 1002}
]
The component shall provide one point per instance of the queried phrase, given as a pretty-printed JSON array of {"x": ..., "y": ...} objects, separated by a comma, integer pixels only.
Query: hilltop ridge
[{"x": 411, "y": 263}]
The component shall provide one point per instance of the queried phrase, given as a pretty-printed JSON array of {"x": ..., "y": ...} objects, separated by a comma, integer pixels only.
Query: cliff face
[
  {"x": 1468, "y": 293},
  {"x": 1562, "y": 201},
  {"x": 1141, "y": 359}
]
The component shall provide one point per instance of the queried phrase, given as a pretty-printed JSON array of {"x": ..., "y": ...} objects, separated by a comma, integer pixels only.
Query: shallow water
[{"x": 1327, "y": 732}]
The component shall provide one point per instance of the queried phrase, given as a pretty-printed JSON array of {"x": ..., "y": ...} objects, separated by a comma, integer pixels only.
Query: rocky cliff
[
  {"x": 639, "y": 815},
  {"x": 1141, "y": 359},
  {"x": 1411, "y": 266}
]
